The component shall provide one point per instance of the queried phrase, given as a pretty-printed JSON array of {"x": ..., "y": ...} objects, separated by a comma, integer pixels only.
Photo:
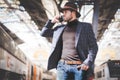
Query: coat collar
[{"x": 77, "y": 35}]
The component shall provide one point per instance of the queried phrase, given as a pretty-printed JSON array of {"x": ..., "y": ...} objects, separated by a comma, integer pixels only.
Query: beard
[{"x": 67, "y": 19}]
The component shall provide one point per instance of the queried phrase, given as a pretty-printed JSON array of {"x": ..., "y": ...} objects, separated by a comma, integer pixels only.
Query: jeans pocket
[{"x": 60, "y": 64}]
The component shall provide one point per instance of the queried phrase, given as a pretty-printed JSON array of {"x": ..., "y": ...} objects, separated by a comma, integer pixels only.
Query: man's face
[{"x": 67, "y": 15}]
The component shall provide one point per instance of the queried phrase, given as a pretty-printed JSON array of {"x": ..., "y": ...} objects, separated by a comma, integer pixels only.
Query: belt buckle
[{"x": 68, "y": 62}]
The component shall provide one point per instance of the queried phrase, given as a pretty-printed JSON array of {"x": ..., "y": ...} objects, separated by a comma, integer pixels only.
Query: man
[{"x": 74, "y": 46}]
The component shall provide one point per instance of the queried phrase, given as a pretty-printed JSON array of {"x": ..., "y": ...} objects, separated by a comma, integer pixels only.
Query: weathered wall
[
  {"x": 109, "y": 44},
  {"x": 107, "y": 10}
]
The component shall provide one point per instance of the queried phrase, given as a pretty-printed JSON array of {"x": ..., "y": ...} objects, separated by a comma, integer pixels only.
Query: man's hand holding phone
[{"x": 57, "y": 19}]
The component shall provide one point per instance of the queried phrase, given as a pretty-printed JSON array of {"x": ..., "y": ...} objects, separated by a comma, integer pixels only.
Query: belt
[{"x": 71, "y": 62}]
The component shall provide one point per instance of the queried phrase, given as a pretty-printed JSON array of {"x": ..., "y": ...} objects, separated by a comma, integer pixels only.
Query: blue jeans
[{"x": 69, "y": 72}]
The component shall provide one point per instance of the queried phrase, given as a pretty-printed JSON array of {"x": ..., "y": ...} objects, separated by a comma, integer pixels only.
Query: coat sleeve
[
  {"x": 92, "y": 46},
  {"x": 47, "y": 30}
]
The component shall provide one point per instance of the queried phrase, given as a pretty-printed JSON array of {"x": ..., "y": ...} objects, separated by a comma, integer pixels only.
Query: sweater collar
[{"x": 72, "y": 23}]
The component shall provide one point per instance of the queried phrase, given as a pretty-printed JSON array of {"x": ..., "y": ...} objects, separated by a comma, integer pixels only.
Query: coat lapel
[
  {"x": 60, "y": 32},
  {"x": 57, "y": 35},
  {"x": 77, "y": 35}
]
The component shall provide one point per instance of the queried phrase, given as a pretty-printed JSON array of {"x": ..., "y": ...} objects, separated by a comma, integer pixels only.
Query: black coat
[{"x": 85, "y": 43}]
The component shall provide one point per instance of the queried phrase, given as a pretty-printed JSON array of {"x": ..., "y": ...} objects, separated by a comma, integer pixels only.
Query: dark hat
[{"x": 70, "y": 6}]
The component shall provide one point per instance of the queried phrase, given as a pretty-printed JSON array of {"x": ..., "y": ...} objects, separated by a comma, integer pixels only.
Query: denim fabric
[{"x": 69, "y": 72}]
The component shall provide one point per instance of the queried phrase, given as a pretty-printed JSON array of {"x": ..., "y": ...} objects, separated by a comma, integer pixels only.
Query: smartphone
[{"x": 61, "y": 18}]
